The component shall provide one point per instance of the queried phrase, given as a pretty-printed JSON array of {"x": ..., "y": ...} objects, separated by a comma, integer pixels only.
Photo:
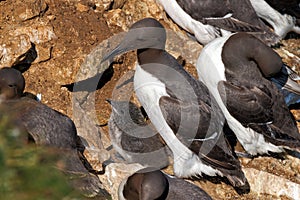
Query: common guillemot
[
  {"x": 171, "y": 96},
  {"x": 208, "y": 20},
  {"x": 234, "y": 68},
  {"x": 133, "y": 139},
  {"x": 149, "y": 184},
  {"x": 46, "y": 127}
]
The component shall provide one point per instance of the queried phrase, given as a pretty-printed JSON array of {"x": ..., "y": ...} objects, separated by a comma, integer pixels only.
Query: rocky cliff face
[{"x": 62, "y": 42}]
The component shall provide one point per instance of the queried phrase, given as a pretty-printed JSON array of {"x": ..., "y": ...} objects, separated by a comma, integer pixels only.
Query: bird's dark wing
[
  {"x": 232, "y": 24},
  {"x": 45, "y": 125},
  {"x": 283, "y": 129},
  {"x": 201, "y": 9},
  {"x": 216, "y": 13},
  {"x": 230, "y": 15},
  {"x": 251, "y": 104},
  {"x": 263, "y": 109},
  {"x": 185, "y": 119}
]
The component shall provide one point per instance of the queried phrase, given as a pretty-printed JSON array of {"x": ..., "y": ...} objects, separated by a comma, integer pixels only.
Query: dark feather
[
  {"x": 243, "y": 17},
  {"x": 248, "y": 104}
]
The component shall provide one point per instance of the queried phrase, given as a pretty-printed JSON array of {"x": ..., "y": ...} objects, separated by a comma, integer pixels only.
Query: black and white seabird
[
  {"x": 208, "y": 20},
  {"x": 234, "y": 68},
  {"x": 133, "y": 139},
  {"x": 158, "y": 185},
  {"x": 47, "y": 127},
  {"x": 176, "y": 103},
  {"x": 283, "y": 16}
]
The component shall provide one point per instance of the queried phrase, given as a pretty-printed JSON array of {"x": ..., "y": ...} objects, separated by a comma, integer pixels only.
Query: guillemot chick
[{"x": 133, "y": 138}]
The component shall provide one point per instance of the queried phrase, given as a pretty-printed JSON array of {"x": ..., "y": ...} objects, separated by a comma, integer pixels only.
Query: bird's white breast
[{"x": 149, "y": 90}]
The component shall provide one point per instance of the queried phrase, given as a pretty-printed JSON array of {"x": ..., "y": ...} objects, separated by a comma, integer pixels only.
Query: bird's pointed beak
[
  {"x": 292, "y": 74},
  {"x": 127, "y": 44},
  {"x": 116, "y": 51},
  {"x": 291, "y": 84},
  {"x": 287, "y": 82}
]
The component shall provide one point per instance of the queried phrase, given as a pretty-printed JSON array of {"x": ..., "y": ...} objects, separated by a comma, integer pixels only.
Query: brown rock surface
[{"x": 72, "y": 36}]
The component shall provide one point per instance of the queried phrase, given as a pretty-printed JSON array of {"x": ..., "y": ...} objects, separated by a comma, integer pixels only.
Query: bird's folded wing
[
  {"x": 248, "y": 105},
  {"x": 231, "y": 24}
]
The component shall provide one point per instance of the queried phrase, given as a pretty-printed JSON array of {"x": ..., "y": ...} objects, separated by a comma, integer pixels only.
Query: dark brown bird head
[{"x": 12, "y": 84}]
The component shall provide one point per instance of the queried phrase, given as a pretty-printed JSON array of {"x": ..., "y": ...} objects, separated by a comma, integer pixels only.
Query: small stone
[
  {"x": 51, "y": 17},
  {"x": 265, "y": 183},
  {"x": 118, "y": 4},
  {"x": 102, "y": 5},
  {"x": 116, "y": 18},
  {"x": 13, "y": 47},
  {"x": 245, "y": 161},
  {"x": 29, "y": 9},
  {"x": 82, "y": 8},
  {"x": 38, "y": 32},
  {"x": 44, "y": 52}
]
